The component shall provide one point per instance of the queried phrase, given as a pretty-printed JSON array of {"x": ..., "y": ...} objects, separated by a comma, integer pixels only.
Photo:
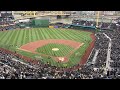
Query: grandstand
[{"x": 43, "y": 45}]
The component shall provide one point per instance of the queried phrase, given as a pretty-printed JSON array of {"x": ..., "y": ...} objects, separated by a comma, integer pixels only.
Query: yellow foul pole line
[
  {"x": 97, "y": 20},
  {"x": 34, "y": 13}
]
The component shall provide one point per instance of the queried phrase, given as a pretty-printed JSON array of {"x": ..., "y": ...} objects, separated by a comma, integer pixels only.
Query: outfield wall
[{"x": 84, "y": 28}]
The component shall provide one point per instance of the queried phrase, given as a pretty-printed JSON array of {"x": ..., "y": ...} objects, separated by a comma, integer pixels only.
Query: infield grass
[{"x": 47, "y": 49}]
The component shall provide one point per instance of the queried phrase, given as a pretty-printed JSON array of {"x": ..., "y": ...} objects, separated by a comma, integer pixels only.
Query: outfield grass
[
  {"x": 47, "y": 49},
  {"x": 13, "y": 39}
]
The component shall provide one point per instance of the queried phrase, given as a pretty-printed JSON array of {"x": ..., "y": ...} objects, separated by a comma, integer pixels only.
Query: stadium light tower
[{"x": 97, "y": 19}]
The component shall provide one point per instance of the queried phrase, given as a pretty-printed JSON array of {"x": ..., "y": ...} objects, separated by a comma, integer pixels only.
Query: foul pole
[
  {"x": 34, "y": 14},
  {"x": 97, "y": 19}
]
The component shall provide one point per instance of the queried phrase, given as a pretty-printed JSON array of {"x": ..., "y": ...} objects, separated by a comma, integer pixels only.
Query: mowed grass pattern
[
  {"x": 47, "y": 49},
  {"x": 13, "y": 39}
]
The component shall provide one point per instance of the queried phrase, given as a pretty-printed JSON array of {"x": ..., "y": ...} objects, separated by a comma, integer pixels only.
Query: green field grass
[
  {"x": 13, "y": 39},
  {"x": 47, "y": 49}
]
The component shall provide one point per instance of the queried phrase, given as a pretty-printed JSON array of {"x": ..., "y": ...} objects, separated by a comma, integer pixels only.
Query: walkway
[
  {"x": 95, "y": 57},
  {"x": 108, "y": 55},
  {"x": 23, "y": 63}
]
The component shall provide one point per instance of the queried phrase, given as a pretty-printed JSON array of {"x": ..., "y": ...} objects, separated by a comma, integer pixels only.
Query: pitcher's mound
[{"x": 55, "y": 49}]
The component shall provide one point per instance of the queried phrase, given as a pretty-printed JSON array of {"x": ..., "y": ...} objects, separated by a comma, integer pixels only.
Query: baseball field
[{"x": 59, "y": 47}]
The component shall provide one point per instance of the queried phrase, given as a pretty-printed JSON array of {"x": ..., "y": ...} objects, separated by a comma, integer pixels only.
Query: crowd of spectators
[
  {"x": 115, "y": 51},
  {"x": 83, "y": 22},
  {"x": 101, "y": 44},
  {"x": 7, "y": 25},
  {"x": 101, "y": 25}
]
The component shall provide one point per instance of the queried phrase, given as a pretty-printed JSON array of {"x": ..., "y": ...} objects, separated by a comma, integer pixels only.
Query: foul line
[
  {"x": 24, "y": 50},
  {"x": 71, "y": 52}
]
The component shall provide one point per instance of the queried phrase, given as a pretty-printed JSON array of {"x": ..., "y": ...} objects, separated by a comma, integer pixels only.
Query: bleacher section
[
  {"x": 92, "y": 25},
  {"x": 6, "y": 20}
]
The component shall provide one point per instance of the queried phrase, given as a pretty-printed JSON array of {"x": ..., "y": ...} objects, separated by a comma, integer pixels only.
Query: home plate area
[{"x": 62, "y": 59}]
